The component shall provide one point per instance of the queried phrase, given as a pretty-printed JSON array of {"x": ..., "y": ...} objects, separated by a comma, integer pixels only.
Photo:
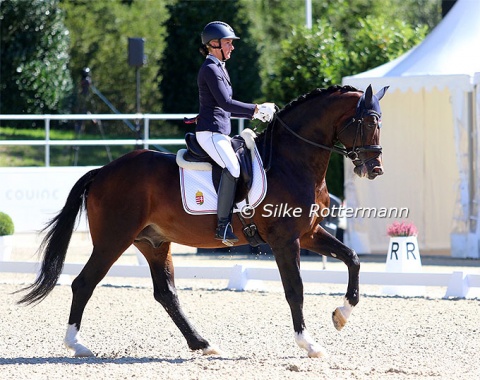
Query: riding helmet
[{"x": 216, "y": 30}]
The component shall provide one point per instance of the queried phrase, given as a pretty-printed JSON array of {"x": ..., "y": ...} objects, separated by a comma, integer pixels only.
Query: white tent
[{"x": 430, "y": 142}]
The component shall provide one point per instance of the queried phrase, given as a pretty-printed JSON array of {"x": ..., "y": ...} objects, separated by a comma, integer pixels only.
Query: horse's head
[{"x": 361, "y": 135}]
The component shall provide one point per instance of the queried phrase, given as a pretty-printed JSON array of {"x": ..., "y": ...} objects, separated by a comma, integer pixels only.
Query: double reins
[
  {"x": 353, "y": 153},
  {"x": 335, "y": 148}
]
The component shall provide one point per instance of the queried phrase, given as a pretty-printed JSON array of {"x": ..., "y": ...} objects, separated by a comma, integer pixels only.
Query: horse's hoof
[
  {"x": 210, "y": 350},
  {"x": 339, "y": 320},
  {"x": 73, "y": 342},
  {"x": 317, "y": 352},
  {"x": 83, "y": 352},
  {"x": 305, "y": 341}
]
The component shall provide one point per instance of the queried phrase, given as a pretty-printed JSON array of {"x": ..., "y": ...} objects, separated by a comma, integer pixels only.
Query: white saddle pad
[{"x": 199, "y": 195}]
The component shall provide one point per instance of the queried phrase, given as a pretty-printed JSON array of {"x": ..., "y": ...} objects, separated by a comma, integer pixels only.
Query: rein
[
  {"x": 335, "y": 148},
  {"x": 353, "y": 154}
]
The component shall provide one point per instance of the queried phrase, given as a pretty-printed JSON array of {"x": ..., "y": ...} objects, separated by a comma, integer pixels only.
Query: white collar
[{"x": 216, "y": 60}]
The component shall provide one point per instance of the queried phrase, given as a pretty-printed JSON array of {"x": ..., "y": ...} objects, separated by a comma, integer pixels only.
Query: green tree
[
  {"x": 320, "y": 57},
  {"x": 34, "y": 77},
  {"x": 272, "y": 21},
  {"x": 182, "y": 60},
  {"x": 419, "y": 12},
  {"x": 308, "y": 58},
  {"x": 377, "y": 42},
  {"x": 344, "y": 15},
  {"x": 99, "y": 34}
]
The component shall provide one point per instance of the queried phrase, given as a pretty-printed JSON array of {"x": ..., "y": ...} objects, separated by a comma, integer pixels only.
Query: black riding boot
[{"x": 226, "y": 196}]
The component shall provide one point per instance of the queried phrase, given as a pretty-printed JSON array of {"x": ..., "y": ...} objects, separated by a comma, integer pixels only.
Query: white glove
[{"x": 265, "y": 112}]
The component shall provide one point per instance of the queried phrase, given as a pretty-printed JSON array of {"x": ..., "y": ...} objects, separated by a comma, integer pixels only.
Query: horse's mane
[
  {"x": 312, "y": 94},
  {"x": 317, "y": 92}
]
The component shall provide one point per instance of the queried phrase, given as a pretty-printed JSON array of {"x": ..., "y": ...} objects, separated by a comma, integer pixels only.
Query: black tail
[{"x": 55, "y": 244}]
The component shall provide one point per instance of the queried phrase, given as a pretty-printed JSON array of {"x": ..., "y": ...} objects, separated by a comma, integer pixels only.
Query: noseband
[{"x": 352, "y": 153}]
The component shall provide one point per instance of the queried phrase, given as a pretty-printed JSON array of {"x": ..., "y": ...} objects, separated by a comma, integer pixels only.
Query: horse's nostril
[{"x": 378, "y": 170}]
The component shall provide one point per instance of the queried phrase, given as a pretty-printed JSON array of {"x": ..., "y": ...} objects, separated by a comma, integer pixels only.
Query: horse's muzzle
[
  {"x": 370, "y": 169},
  {"x": 375, "y": 172}
]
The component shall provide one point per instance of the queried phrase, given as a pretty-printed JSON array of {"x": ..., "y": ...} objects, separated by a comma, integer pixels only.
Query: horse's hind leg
[
  {"x": 82, "y": 288},
  {"x": 164, "y": 291}
]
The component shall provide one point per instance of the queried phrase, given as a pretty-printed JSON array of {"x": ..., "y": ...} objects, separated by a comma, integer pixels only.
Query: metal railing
[{"x": 144, "y": 140}]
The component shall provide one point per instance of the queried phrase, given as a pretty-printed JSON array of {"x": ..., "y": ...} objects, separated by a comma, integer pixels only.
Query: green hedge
[{"x": 6, "y": 225}]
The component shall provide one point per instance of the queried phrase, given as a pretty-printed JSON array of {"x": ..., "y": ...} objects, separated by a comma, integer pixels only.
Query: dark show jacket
[{"x": 216, "y": 103}]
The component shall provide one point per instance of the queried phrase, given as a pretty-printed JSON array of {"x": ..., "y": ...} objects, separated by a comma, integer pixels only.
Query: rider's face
[{"x": 227, "y": 48}]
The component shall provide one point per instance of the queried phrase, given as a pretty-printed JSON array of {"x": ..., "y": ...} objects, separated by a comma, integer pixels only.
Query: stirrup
[{"x": 226, "y": 235}]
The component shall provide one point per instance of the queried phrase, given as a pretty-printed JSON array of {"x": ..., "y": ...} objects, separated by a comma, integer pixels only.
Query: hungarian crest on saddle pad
[
  {"x": 199, "y": 199},
  {"x": 198, "y": 191}
]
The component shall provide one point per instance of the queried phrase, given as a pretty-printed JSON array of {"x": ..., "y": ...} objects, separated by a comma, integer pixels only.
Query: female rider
[{"x": 213, "y": 121}]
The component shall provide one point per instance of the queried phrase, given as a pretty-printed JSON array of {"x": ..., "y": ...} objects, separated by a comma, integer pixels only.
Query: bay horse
[{"x": 136, "y": 200}]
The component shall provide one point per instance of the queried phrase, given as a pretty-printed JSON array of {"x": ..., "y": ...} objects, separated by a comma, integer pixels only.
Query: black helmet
[{"x": 216, "y": 30}]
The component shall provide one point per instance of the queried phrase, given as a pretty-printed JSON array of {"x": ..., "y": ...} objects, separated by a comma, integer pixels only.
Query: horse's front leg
[
  {"x": 287, "y": 257},
  {"x": 324, "y": 243}
]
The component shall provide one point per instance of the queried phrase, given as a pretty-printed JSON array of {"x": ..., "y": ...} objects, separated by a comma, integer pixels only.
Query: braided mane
[{"x": 317, "y": 92}]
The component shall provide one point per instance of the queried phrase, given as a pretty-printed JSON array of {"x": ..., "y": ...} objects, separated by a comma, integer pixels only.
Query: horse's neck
[{"x": 293, "y": 157}]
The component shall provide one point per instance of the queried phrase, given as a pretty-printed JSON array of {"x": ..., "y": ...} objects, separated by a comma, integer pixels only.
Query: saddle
[{"x": 195, "y": 153}]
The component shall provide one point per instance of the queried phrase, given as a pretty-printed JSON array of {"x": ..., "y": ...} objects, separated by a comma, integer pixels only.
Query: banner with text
[{"x": 33, "y": 196}]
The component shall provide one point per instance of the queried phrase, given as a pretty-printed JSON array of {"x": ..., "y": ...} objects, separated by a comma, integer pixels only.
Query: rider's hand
[{"x": 265, "y": 112}]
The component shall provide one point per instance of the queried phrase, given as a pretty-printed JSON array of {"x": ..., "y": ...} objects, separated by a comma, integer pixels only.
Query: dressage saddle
[{"x": 195, "y": 153}]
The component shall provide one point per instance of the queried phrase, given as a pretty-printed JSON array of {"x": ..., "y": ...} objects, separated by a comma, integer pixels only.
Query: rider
[{"x": 213, "y": 121}]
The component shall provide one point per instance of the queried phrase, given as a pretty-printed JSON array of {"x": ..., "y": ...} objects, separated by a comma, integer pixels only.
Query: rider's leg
[
  {"x": 226, "y": 196},
  {"x": 219, "y": 148}
]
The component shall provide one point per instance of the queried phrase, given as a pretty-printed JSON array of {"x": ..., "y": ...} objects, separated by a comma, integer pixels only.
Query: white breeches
[{"x": 219, "y": 148}]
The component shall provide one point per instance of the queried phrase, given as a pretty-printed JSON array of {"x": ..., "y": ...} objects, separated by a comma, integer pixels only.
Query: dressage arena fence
[
  {"x": 240, "y": 277},
  {"x": 143, "y": 140}
]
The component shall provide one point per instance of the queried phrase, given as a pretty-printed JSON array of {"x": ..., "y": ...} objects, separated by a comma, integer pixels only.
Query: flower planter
[{"x": 404, "y": 257}]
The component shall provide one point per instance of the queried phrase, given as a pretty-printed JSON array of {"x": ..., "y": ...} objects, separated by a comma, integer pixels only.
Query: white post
[
  {"x": 238, "y": 278},
  {"x": 308, "y": 14},
  {"x": 241, "y": 125},
  {"x": 47, "y": 141},
  {"x": 472, "y": 222},
  {"x": 146, "y": 131}
]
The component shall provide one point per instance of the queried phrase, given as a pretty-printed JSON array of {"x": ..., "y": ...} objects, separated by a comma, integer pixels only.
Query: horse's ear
[
  {"x": 382, "y": 92},
  {"x": 368, "y": 96}
]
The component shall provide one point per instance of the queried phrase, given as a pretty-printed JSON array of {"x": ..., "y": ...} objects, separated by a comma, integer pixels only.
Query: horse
[{"x": 135, "y": 199}]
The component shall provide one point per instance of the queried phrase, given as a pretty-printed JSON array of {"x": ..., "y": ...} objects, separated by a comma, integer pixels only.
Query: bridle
[{"x": 353, "y": 153}]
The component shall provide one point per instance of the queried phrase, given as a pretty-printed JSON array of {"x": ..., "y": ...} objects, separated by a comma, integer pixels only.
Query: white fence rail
[
  {"x": 458, "y": 284},
  {"x": 145, "y": 140}
]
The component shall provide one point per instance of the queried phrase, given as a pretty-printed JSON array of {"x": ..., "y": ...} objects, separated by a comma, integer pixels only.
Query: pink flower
[{"x": 402, "y": 229}]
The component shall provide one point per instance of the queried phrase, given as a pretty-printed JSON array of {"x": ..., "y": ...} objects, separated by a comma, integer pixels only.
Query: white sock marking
[
  {"x": 305, "y": 341},
  {"x": 73, "y": 342},
  {"x": 346, "y": 309}
]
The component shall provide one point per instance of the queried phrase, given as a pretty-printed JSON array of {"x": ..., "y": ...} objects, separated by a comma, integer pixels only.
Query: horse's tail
[{"x": 55, "y": 243}]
